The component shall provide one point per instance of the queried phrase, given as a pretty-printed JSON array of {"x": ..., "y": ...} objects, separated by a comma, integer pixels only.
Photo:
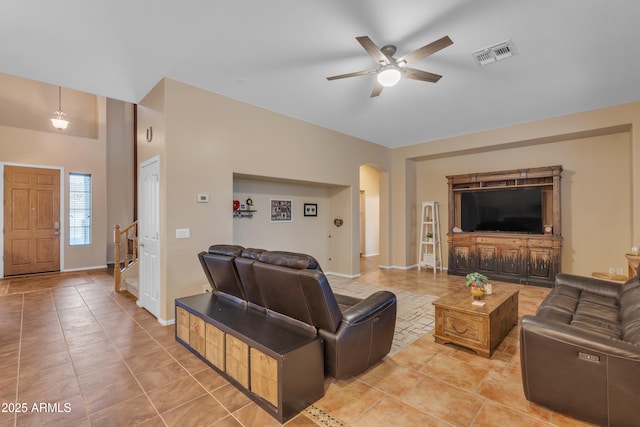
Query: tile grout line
[
  {"x": 399, "y": 398},
  {"x": 179, "y": 364},
  {"x": 159, "y": 338},
  {"x": 120, "y": 354},
  {"x": 189, "y": 373},
  {"x": 15, "y": 415},
  {"x": 66, "y": 344}
]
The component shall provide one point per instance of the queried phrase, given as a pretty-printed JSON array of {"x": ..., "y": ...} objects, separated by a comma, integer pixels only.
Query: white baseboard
[
  {"x": 163, "y": 322},
  {"x": 383, "y": 267},
  {"x": 407, "y": 267},
  {"x": 397, "y": 267},
  {"x": 166, "y": 322},
  {"x": 347, "y": 276},
  {"x": 97, "y": 267}
]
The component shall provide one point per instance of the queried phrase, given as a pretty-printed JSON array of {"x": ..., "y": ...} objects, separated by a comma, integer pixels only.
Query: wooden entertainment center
[{"x": 508, "y": 256}]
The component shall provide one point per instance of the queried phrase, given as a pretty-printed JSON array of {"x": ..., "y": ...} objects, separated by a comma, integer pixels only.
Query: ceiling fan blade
[
  {"x": 376, "y": 90},
  {"x": 373, "y": 50},
  {"x": 427, "y": 50},
  {"x": 356, "y": 74},
  {"x": 412, "y": 73}
]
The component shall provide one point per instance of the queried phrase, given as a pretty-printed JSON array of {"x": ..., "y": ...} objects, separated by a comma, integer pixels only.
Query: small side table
[
  {"x": 633, "y": 263},
  {"x": 620, "y": 278},
  {"x": 479, "y": 328}
]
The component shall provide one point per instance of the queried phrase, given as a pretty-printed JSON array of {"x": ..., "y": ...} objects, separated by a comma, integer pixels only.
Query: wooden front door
[{"x": 31, "y": 220}]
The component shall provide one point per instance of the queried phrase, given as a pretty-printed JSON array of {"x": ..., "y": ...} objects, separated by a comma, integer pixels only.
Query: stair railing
[{"x": 127, "y": 237}]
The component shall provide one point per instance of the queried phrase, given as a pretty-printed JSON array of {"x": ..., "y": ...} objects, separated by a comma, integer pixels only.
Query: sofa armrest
[
  {"x": 346, "y": 301},
  {"x": 579, "y": 373},
  {"x": 364, "y": 336},
  {"x": 589, "y": 284},
  {"x": 368, "y": 307},
  {"x": 572, "y": 336}
]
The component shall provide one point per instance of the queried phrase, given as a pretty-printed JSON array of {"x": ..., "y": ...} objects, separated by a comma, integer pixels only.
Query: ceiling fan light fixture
[
  {"x": 390, "y": 69},
  {"x": 389, "y": 76}
]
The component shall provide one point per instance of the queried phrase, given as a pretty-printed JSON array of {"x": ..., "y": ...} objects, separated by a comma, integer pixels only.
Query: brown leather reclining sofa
[
  {"x": 357, "y": 333},
  {"x": 580, "y": 353}
]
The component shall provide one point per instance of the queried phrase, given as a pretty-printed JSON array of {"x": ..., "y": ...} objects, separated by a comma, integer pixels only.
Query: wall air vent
[{"x": 494, "y": 53}]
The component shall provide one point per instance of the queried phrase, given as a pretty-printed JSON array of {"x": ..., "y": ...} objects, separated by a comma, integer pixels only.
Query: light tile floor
[{"x": 94, "y": 358}]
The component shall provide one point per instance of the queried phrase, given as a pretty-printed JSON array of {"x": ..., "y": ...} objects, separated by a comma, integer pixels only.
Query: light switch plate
[{"x": 183, "y": 233}]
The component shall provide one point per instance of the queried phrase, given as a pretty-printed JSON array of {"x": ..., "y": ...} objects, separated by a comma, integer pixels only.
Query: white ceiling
[{"x": 572, "y": 56}]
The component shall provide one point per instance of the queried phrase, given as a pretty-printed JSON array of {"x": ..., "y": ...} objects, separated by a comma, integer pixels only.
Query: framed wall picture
[
  {"x": 281, "y": 210},
  {"x": 310, "y": 209}
]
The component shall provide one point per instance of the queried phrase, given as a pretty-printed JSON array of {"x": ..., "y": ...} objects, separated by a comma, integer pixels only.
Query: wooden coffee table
[{"x": 480, "y": 329}]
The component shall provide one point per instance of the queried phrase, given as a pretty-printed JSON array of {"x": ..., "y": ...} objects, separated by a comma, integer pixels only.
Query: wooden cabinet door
[
  {"x": 461, "y": 258},
  {"x": 196, "y": 334},
  {"x": 510, "y": 262},
  {"x": 539, "y": 264},
  {"x": 237, "y": 359},
  {"x": 214, "y": 346},
  {"x": 31, "y": 220},
  {"x": 264, "y": 376},
  {"x": 182, "y": 324},
  {"x": 487, "y": 259}
]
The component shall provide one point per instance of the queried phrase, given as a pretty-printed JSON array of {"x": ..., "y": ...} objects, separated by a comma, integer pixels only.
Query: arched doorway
[{"x": 374, "y": 213}]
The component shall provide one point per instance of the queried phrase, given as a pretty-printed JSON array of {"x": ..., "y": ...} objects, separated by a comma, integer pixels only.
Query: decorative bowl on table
[{"x": 477, "y": 291}]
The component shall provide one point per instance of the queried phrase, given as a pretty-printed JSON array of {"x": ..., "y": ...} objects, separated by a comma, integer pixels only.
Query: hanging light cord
[{"x": 59, "y": 121}]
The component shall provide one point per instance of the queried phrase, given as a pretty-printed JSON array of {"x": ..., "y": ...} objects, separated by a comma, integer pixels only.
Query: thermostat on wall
[{"x": 203, "y": 198}]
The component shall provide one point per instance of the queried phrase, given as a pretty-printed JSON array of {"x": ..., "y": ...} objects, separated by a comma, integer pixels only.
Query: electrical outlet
[
  {"x": 619, "y": 271},
  {"x": 206, "y": 288},
  {"x": 612, "y": 271}
]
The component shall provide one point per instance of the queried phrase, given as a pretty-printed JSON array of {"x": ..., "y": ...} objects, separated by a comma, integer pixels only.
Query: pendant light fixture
[{"x": 59, "y": 121}]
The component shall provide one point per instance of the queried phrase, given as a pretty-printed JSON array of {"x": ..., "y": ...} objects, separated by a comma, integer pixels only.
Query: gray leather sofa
[
  {"x": 357, "y": 333},
  {"x": 580, "y": 353}
]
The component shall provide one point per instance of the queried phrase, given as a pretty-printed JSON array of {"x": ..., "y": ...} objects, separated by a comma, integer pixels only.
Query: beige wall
[
  {"x": 120, "y": 168},
  {"x": 151, "y": 121},
  {"x": 29, "y": 104},
  {"x": 370, "y": 184},
  {"x": 205, "y": 139},
  {"x": 34, "y": 142},
  {"x": 303, "y": 234},
  {"x": 599, "y": 151},
  {"x": 595, "y": 189}
]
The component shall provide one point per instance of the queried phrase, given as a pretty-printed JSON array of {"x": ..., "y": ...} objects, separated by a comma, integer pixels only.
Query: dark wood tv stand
[{"x": 512, "y": 257}]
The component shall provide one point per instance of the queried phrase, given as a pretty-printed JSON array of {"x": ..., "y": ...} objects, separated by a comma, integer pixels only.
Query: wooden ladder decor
[{"x": 429, "y": 246}]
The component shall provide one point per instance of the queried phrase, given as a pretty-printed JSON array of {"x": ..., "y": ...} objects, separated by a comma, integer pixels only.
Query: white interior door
[{"x": 149, "y": 294}]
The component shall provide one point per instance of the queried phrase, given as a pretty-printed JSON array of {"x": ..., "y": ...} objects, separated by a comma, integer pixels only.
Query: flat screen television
[{"x": 517, "y": 210}]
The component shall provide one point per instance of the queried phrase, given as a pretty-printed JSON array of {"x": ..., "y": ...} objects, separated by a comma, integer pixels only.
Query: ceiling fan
[{"x": 390, "y": 70}]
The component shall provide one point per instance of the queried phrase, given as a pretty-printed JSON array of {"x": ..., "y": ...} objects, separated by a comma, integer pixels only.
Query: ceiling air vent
[{"x": 494, "y": 53}]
